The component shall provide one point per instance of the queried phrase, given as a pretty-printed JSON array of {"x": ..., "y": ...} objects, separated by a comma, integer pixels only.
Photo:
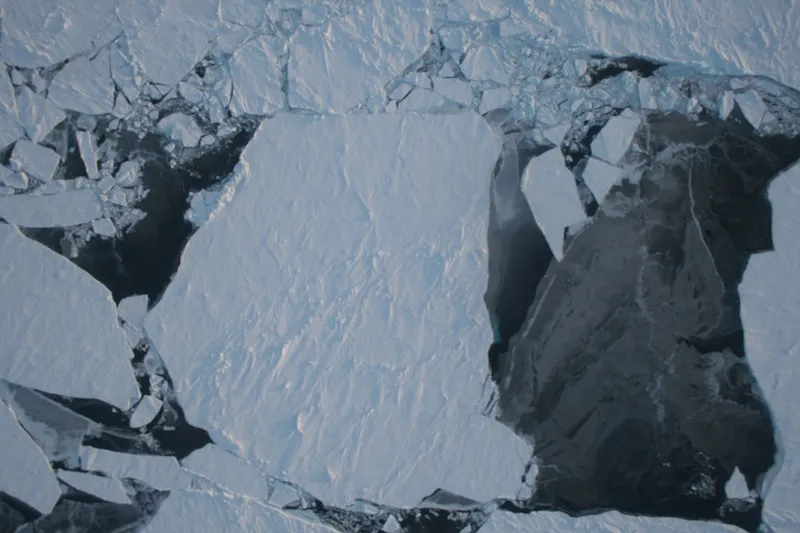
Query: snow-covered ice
[
  {"x": 83, "y": 86},
  {"x": 34, "y": 159},
  {"x": 67, "y": 208},
  {"x": 551, "y": 193},
  {"x": 56, "y": 317},
  {"x": 394, "y": 209},
  {"x": 614, "y": 139},
  {"x": 24, "y": 471},
  {"x": 37, "y": 115}
]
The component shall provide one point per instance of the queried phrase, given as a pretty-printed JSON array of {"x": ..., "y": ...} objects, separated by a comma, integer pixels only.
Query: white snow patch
[
  {"x": 67, "y": 208},
  {"x": 484, "y": 63},
  {"x": 57, "y": 317},
  {"x": 10, "y": 129},
  {"x": 81, "y": 87},
  {"x": 37, "y": 115},
  {"x": 372, "y": 44},
  {"x": 600, "y": 177},
  {"x": 35, "y": 160},
  {"x": 255, "y": 71},
  {"x": 614, "y": 139},
  {"x": 553, "y": 197},
  {"x": 182, "y": 128},
  {"x": 105, "y": 488},
  {"x": 380, "y": 254},
  {"x": 146, "y": 411},
  {"x": 25, "y": 473}
]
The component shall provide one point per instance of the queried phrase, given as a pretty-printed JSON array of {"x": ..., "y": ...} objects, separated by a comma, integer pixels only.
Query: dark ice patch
[
  {"x": 601, "y": 68},
  {"x": 629, "y": 372}
]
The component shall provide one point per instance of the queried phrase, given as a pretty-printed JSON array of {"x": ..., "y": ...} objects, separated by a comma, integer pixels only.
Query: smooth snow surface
[
  {"x": 339, "y": 325},
  {"x": 56, "y": 317}
]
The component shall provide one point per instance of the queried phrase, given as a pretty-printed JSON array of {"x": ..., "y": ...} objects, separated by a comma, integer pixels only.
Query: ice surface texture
[{"x": 278, "y": 215}]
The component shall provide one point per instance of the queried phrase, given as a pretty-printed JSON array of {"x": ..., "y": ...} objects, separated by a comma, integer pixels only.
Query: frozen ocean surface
[{"x": 245, "y": 247}]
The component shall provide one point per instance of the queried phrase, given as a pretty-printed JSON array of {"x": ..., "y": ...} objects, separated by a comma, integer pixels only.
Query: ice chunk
[
  {"x": 415, "y": 189},
  {"x": 40, "y": 33},
  {"x": 553, "y": 197},
  {"x": 423, "y": 100},
  {"x": 255, "y": 71},
  {"x": 67, "y": 208},
  {"x": 752, "y": 106},
  {"x": 146, "y": 411},
  {"x": 12, "y": 178},
  {"x": 160, "y": 472},
  {"x": 556, "y": 134},
  {"x": 373, "y": 44},
  {"x": 485, "y": 63},
  {"x": 88, "y": 153},
  {"x": 151, "y": 29},
  {"x": 133, "y": 309},
  {"x": 68, "y": 325},
  {"x": 37, "y": 115},
  {"x": 736, "y": 487},
  {"x": 181, "y": 128},
  {"x": 24, "y": 471},
  {"x": 454, "y": 89},
  {"x": 104, "y": 227},
  {"x": 105, "y": 488},
  {"x": 495, "y": 99},
  {"x": 614, "y": 139},
  {"x": 35, "y": 160},
  {"x": 726, "y": 105},
  {"x": 600, "y": 177},
  {"x": 446, "y": 71},
  {"x": 57, "y": 430},
  {"x": 391, "y": 525},
  {"x": 10, "y": 129},
  {"x": 82, "y": 87}
]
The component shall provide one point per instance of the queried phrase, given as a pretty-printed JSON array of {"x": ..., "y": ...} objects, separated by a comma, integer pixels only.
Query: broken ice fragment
[
  {"x": 483, "y": 63},
  {"x": 88, "y": 153},
  {"x": 80, "y": 86},
  {"x": 104, "y": 227},
  {"x": 752, "y": 106},
  {"x": 457, "y": 90},
  {"x": 57, "y": 431},
  {"x": 256, "y": 76},
  {"x": 24, "y": 471},
  {"x": 37, "y": 114},
  {"x": 494, "y": 99},
  {"x": 146, "y": 411},
  {"x": 67, "y": 208},
  {"x": 551, "y": 193},
  {"x": 34, "y": 159},
  {"x": 182, "y": 128},
  {"x": 133, "y": 309},
  {"x": 13, "y": 179},
  {"x": 600, "y": 177},
  {"x": 105, "y": 488},
  {"x": 391, "y": 525},
  {"x": 615, "y": 137}
]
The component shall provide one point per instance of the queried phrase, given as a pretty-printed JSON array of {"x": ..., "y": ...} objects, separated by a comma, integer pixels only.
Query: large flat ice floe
[{"x": 332, "y": 310}]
